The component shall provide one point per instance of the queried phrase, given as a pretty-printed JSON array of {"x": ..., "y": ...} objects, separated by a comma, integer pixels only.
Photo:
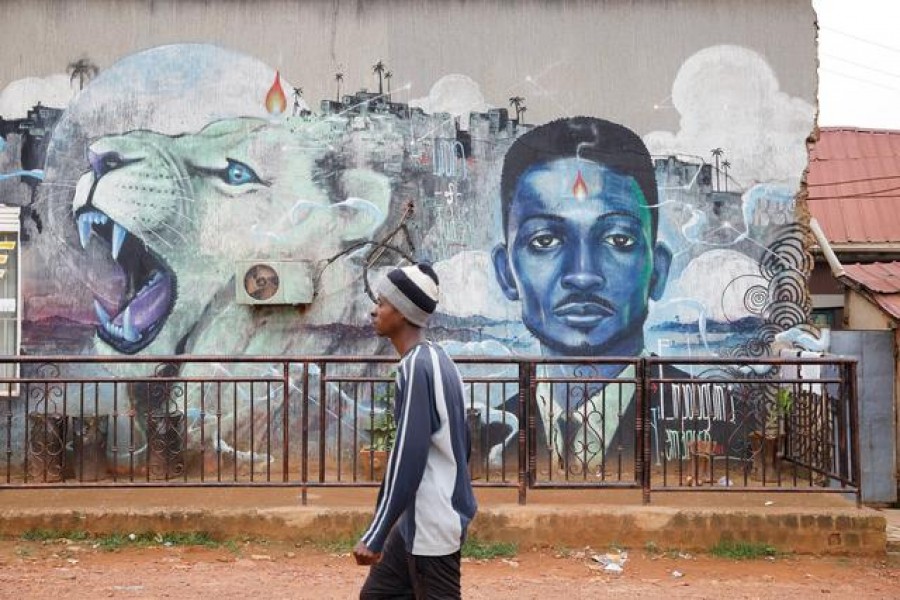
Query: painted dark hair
[{"x": 606, "y": 143}]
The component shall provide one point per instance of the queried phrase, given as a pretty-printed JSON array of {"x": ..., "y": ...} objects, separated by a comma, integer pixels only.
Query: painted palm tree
[
  {"x": 726, "y": 164},
  {"x": 378, "y": 69},
  {"x": 521, "y": 117},
  {"x": 717, "y": 152},
  {"x": 516, "y": 102},
  {"x": 387, "y": 77},
  {"x": 339, "y": 78},
  {"x": 298, "y": 92},
  {"x": 82, "y": 69}
]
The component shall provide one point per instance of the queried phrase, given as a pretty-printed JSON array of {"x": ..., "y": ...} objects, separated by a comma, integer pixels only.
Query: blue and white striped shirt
[{"x": 426, "y": 489}]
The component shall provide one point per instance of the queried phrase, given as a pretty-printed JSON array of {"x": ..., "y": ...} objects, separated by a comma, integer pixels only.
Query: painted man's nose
[
  {"x": 583, "y": 280},
  {"x": 583, "y": 272}
]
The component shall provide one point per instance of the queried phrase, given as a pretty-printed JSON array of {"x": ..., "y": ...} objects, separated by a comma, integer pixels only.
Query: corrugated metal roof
[
  {"x": 882, "y": 280},
  {"x": 883, "y": 277},
  {"x": 854, "y": 185},
  {"x": 890, "y": 303}
]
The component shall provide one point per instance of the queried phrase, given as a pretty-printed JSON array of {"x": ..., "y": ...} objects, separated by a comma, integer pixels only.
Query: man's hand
[{"x": 364, "y": 556}]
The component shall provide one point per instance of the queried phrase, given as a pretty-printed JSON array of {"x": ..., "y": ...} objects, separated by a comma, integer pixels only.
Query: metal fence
[{"x": 654, "y": 424}]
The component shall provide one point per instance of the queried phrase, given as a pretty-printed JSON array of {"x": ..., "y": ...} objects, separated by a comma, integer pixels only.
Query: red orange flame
[
  {"x": 276, "y": 101},
  {"x": 580, "y": 190}
]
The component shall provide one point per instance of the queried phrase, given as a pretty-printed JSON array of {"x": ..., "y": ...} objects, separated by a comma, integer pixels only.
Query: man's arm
[{"x": 406, "y": 464}]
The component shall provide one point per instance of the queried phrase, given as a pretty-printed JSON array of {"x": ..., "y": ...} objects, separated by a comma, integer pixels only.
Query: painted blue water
[{"x": 35, "y": 173}]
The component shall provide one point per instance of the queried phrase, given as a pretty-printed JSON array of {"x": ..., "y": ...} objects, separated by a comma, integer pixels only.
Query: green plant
[
  {"x": 44, "y": 535},
  {"x": 652, "y": 548},
  {"x": 115, "y": 541},
  {"x": 383, "y": 431},
  {"x": 742, "y": 550},
  {"x": 483, "y": 550},
  {"x": 784, "y": 401},
  {"x": 380, "y": 422}
]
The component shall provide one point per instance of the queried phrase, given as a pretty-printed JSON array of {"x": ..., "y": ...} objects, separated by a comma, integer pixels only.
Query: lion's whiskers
[{"x": 176, "y": 232}]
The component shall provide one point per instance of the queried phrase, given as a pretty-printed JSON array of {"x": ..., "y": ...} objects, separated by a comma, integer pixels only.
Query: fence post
[
  {"x": 304, "y": 439},
  {"x": 642, "y": 454},
  {"x": 285, "y": 411},
  {"x": 855, "y": 473},
  {"x": 526, "y": 426},
  {"x": 323, "y": 415}
]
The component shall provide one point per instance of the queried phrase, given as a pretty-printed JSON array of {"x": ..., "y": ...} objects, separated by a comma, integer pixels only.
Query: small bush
[
  {"x": 114, "y": 541},
  {"x": 483, "y": 550},
  {"x": 742, "y": 550}
]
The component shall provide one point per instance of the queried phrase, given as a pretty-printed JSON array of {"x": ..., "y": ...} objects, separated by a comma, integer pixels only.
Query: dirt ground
[{"x": 64, "y": 569}]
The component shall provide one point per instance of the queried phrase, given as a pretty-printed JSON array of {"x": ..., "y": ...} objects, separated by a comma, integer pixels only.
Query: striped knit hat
[{"x": 412, "y": 290}]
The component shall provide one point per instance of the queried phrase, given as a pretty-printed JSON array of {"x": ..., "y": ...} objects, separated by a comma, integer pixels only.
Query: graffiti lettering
[
  {"x": 678, "y": 443},
  {"x": 708, "y": 401},
  {"x": 451, "y": 194},
  {"x": 448, "y": 159}
]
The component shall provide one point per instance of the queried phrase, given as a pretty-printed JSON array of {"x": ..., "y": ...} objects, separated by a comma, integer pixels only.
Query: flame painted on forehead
[{"x": 580, "y": 189}]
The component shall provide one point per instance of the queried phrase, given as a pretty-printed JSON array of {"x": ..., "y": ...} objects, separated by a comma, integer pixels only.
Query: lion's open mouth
[{"x": 135, "y": 312}]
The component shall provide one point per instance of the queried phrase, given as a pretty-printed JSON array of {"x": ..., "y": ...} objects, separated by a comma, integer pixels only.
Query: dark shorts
[{"x": 400, "y": 574}]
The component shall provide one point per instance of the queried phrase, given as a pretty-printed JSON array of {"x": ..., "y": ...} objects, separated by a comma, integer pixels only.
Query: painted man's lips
[
  {"x": 593, "y": 305},
  {"x": 583, "y": 312}
]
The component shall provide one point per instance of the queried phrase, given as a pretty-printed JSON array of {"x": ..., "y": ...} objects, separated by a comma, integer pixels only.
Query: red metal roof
[
  {"x": 882, "y": 280},
  {"x": 854, "y": 185}
]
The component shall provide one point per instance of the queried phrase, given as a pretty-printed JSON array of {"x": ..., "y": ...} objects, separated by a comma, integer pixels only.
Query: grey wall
[
  {"x": 878, "y": 437},
  {"x": 567, "y": 57}
]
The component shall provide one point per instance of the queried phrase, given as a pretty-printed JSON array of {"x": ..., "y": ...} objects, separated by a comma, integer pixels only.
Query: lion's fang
[
  {"x": 118, "y": 236},
  {"x": 102, "y": 315},
  {"x": 128, "y": 331},
  {"x": 85, "y": 225}
]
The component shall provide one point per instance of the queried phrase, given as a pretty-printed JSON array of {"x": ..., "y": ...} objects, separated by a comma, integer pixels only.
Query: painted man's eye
[
  {"x": 544, "y": 241},
  {"x": 619, "y": 240},
  {"x": 238, "y": 173}
]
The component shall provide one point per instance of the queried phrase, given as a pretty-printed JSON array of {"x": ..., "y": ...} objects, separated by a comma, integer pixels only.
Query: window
[
  {"x": 10, "y": 296},
  {"x": 823, "y": 317}
]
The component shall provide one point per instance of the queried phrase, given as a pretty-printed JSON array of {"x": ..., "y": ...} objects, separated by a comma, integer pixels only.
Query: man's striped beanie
[{"x": 412, "y": 290}]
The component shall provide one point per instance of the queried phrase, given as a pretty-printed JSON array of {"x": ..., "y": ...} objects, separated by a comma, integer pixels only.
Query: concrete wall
[
  {"x": 581, "y": 57},
  {"x": 867, "y": 318},
  {"x": 877, "y": 419},
  {"x": 862, "y": 314},
  {"x": 167, "y": 141}
]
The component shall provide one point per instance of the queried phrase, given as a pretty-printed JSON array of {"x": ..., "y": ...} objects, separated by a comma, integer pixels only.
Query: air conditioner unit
[{"x": 262, "y": 281}]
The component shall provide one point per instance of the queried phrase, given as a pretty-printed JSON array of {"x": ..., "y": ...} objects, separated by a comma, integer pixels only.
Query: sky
[{"x": 859, "y": 63}]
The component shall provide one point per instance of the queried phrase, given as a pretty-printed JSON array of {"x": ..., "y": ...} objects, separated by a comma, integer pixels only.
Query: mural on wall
[{"x": 568, "y": 238}]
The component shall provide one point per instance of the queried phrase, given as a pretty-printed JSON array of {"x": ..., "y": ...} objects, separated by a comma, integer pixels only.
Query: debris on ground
[{"x": 613, "y": 561}]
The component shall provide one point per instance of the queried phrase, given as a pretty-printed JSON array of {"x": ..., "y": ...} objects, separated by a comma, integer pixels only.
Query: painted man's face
[{"x": 580, "y": 255}]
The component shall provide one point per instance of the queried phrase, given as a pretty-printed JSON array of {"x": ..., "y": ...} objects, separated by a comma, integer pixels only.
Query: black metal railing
[{"x": 654, "y": 424}]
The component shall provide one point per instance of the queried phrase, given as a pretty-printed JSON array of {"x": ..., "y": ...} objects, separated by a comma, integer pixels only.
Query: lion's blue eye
[{"x": 238, "y": 173}]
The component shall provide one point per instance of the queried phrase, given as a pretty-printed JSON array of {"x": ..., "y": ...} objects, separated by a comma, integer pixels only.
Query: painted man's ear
[
  {"x": 503, "y": 272},
  {"x": 662, "y": 260}
]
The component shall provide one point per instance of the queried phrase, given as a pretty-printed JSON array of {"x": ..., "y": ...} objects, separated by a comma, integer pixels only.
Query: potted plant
[
  {"x": 382, "y": 431},
  {"x": 764, "y": 445}
]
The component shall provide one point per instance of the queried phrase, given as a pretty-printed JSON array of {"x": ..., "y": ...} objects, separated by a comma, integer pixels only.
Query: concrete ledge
[
  {"x": 841, "y": 531},
  {"x": 847, "y": 531}
]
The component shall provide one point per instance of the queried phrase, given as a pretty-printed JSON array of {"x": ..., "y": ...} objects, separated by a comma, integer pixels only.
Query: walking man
[{"x": 425, "y": 502}]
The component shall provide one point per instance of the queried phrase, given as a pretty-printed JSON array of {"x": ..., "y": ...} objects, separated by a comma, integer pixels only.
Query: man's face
[
  {"x": 386, "y": 319},
  {"x": 581, "y": 258}
]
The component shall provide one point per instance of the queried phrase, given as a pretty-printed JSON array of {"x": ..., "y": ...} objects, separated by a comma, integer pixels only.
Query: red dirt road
[{"x": 63, "y": 569}]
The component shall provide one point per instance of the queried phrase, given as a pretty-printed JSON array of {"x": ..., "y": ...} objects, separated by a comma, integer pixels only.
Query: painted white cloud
[
  {"x": 728, "y": 282},
  {"x": 729, "y": 97},
  {"x": 468, "y": 288},
  {"x": 22, "y": 94},
  {"x": 455, "y": 94}
]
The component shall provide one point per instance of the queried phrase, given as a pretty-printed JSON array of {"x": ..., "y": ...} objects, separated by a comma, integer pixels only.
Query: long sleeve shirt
[{"x": 426, "y": 489}]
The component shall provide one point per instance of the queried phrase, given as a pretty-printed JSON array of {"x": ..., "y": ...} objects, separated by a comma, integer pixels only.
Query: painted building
[{"x": 589, "y": 178}]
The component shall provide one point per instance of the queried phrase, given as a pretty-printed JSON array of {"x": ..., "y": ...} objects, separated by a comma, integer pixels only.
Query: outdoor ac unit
[{"x": 261, "y": 281}]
